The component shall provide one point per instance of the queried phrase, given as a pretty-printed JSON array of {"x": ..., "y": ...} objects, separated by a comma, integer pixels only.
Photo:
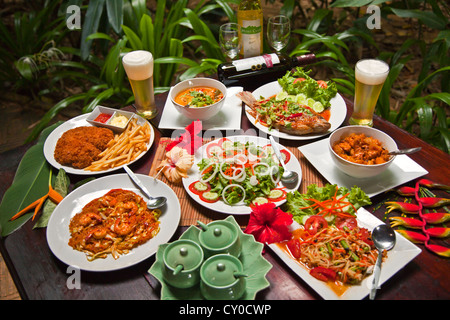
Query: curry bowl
[
  {"x": 203, "y": 112},
  {"x": 359, "y": 170}
]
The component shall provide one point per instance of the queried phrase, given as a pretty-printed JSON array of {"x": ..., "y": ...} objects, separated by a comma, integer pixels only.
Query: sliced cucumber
[
  {"x": 200, "y": 186},
  {"x": 259, "y": 200},
  {"x": 275, "y": 194}
]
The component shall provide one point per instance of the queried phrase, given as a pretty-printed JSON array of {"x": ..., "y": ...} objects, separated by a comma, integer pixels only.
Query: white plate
[
  {"x": 80, "y": 121},
  {"x": 220, "y": 206},
  {"x": 403, "y": 252},
  {"x": 401, "y": 170},
  {"x": 338, "y": 113},
  {"x": 58, "y": 234},
  {"x": 228, "y": 118}
]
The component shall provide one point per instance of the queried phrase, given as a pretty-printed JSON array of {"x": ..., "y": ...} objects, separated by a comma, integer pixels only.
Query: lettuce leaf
[
  {"x": 309, "y": 87},
  {"x": 296, "y": 200}
]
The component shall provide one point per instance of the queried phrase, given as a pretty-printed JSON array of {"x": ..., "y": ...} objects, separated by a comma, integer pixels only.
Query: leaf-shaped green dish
[{"x": 253, "y": 262}]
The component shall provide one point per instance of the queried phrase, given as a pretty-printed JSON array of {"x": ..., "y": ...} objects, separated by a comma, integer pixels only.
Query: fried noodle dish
[{"x": 113, "y": 224}]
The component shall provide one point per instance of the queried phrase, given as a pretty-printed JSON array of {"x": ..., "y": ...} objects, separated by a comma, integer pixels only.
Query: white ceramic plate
[
  {"x": 220, "y": 206},
  {"x": 80, "y": 121},
  {"x": 403, "y": 252},
  {"x": 228, "y": 118},
  {"x": 58, "y": 234},
  {"x": 401, "y": 170},
  {"x": 337, "y": 114}
]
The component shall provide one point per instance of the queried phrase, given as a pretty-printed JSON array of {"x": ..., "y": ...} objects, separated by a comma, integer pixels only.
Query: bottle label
[
  {"x": 256, "y": 63},
  {"x": 251, "y": 33}
]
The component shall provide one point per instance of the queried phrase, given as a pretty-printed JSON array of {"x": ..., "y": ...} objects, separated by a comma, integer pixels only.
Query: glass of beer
[
  {"x": 139, "y": 68},
  {"x": 370, "y": 75}
]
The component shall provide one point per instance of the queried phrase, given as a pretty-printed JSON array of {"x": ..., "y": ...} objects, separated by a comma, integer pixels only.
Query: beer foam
[
  {"x": 138, "y": 64},
  {"x": 371, "y": 71}
]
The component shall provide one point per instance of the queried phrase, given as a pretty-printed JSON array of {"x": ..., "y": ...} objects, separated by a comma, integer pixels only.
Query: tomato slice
[
  {"x": 213, "y": 149},
  {"x": 299, "y": 80},
  {"x": 209, "y": 196},
  {"x": 365, "y": 236},
  {"x": 277, "y": 195},
  {"x": 346, "y": 223},
  {"x": 294, "y": 247},
  {"x": 322, "y": 84},
  {"x": 323, "y": 274},
  {"x": 315, "y": 223},
  {"x": 198, "y": 187},
  {"x": 286, "y": 155}
]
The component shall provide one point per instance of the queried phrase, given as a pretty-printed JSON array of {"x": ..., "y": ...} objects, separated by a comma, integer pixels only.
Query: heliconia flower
[
  {"x": 403, "y": 207},
  {"x": 438, "y": 232},
  {"x": 436, "y": 217},
  {"x": 269, "y": 224},
  {"x": 431, "y": 184},
  {"x": 439, "y": 250},
  {"x": 406, "y": 222},
  {"x": 434, "y": 202},
  {"x": 413, "y": 236},
  {"x": 406, "y": 191}
]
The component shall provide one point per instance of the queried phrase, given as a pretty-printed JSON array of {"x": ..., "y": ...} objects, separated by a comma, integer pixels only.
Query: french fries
[{"x": 124, "y": 148}]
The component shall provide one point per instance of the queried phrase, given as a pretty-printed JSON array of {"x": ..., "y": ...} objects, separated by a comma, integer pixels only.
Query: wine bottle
[
  {"x": 251, "y": 72},
  {"x": 250, "y": 20}
]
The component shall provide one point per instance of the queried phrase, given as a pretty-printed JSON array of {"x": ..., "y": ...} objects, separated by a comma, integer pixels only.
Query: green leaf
[
  {"x": 427, "y": 17},
  {"x": 29, "y": 184},
  {"x": 133, "y": 38},
  {"x": 115, "y": 14},
  {"x": 61, "y": 185},
  {"x": 90, "y": 25},
  {"x": 350, "y": 3}
]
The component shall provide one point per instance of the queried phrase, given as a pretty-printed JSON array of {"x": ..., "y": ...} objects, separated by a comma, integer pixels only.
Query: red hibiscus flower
[
  {"x": 190, "y": 139},
  {"x": 269, "y": 224}
]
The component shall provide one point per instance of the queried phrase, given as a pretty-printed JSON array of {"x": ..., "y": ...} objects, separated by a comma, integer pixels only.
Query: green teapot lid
[
  {"x": 221, "y": 270},
  {"x": 183, "y": 252},
  {"x": 217, "y": 234}
]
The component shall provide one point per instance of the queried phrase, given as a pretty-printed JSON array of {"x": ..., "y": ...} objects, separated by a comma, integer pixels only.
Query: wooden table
[{"x": 38, "y": 274}]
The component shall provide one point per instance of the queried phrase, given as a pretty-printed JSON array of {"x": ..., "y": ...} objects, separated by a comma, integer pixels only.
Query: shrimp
[
  {"x": 89, "y": 218},
  {"x": 123, "y": 226}
]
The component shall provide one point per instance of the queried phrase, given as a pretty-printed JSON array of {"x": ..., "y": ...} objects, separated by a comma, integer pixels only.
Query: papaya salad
[
  {"x": 329, "y": 242},
  {"x": 239, "y": 173}
]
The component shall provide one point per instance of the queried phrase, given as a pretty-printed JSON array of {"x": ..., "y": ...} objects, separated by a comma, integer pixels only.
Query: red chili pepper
[
  {"x": 438, "y": 232},
  {"x": 406, "y": 191},
  {"x": 403, "y": 207},
  {"x": 431, "y": 184},
  {"x": 436, "y": 217},
  {"x": 406, "y": 222},
  {"x": 434, "y": 202},
  {"x": 439, "y": 250},
  {"x": 295, "y": 115},
  {"x": 413, "y": 236}
]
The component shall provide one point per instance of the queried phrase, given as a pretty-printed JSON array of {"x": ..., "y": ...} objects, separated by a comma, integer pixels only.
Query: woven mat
[{"x": 191, "y": 211}]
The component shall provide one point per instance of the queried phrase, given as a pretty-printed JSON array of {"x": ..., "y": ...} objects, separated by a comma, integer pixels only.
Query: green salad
[
  {"x": 300, "y": 87},
  {"x": 329, "y": 201}
]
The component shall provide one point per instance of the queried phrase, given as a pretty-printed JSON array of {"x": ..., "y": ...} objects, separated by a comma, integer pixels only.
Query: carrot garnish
[{"x": 37, "y": 205}]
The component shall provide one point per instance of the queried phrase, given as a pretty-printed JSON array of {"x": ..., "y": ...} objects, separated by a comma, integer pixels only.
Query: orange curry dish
[
  {"x": 113, "y": 224},
  {"x": 359, "y": 148}
]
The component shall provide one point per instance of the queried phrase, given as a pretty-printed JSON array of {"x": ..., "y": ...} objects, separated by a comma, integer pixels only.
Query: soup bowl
[
  {"x": 198, "y": 113},
  {"x": 357, "y": 170}
]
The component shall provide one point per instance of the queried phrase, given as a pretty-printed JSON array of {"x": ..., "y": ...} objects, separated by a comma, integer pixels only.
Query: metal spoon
[
  {"x": 405, "y": 151},
  {"x": 152, "y": 203},
  {"x": 384, "y": 239},
  {"x": 288, "y": 177}
]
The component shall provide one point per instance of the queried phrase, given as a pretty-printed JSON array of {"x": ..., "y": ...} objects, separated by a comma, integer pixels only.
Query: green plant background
[{"x": 39, "y": 55}]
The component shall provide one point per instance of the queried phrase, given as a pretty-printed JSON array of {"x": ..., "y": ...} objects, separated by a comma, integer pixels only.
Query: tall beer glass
[
  {"x": 370, "y": 75},
  {"x": 139, "y": 68}
]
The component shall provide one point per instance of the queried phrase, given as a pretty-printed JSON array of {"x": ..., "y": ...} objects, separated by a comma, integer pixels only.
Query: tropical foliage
[{"x": 39, "y": 54}]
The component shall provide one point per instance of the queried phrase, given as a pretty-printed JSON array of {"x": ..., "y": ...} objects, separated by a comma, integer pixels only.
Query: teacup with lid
[
  {"x": 182, "y": 261},
  {"x": 222, "y": 278},
  {"x": 218, "y": 237}
]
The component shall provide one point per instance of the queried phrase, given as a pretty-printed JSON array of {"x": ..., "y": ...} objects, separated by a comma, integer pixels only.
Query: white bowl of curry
[
  {"x": 198, "y": 98},
  {"x": 361, "y": 152}
]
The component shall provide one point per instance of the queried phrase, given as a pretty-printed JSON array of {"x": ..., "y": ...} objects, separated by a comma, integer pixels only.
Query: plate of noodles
[
  {"x": 104, "y": 225},
  {"x": 79, "y": 153},
  {"x": 403, "y": 252}
]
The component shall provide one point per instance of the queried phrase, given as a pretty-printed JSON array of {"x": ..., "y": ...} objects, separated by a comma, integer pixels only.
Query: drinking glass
[
  {"x": 370, "y": 75},
  {"x": 229, "y": 38},
  {"x": 139, "y": 68},
  {"x": 278, "y": 32}
]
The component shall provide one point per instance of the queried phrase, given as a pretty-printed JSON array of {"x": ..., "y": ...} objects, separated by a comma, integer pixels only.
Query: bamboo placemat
[{"x": 191, "y": 211}]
